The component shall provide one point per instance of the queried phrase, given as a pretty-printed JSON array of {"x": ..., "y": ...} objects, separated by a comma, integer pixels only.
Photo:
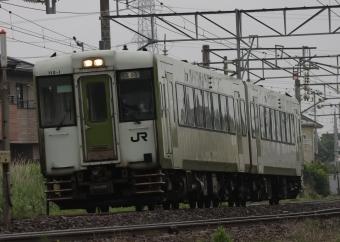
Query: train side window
[
  {"x": 243, "y": 118},
  {"x": 262, "y": 123},
  {"x": 288, "y": 128},
  {"x": 171, "y": 93},
  {"x": 273, "y": 119},
  {"x": 283, "y": 126},
  {"x": 217, "y": 115},
  {"x": 199, "y": 108},
  {"x": 253, "y": 124},
  {"x": 292, "y": 124},
  {"x": 278, "y": 126},
  {"x": 231, "y": 114},
  {"x": 268, "y": 124},
  {"x": 208, "y": 112},
  {"x": 189, "y": 102},
  {"x": 181, "y": 104},
  {"x": 224, "y": 113}
]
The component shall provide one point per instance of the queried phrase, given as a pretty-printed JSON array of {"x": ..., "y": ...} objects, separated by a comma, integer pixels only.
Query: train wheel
[
  {"x": 139, "y": 207},
  {"x": 200, "y": 204},
  {"x": 216, "y": 202},
  {"x": 238, "y": 202},
  {"x": 175, "y": 205},
  {"x": 192, "y": 204},
  {"x": 276, "y": 201},
  {"x": 91, "y": 210},
  {"x": 104, "y": 209},
  {"x": 151, "y": 206},
  {"x": 244, "y": 202},
  {"x": 231, "y": 202},
  {"x": 271, "y": 201},
  {"x": 207, "y": 202},
  {"x": 166, "y": 206}
]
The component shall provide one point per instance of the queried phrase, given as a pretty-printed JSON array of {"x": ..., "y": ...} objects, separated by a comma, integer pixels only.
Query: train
[{"x": 135, "y": 128}]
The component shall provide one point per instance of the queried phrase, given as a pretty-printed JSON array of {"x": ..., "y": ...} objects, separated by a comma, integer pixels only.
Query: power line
[{"x": 10, "y": 12}]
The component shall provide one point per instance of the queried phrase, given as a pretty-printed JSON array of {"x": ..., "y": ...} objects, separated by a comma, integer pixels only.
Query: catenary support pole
[
  {"x": 105, "y": 23},
  {"x": 206, "y": 55},
  {"x": 5, "y": 151}
]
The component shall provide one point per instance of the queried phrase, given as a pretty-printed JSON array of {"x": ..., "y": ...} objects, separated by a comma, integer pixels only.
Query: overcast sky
[{"x": 34, "y": 35}]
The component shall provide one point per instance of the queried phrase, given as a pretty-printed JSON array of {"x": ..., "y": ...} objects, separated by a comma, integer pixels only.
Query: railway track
[{"x": 164, "y": 228}]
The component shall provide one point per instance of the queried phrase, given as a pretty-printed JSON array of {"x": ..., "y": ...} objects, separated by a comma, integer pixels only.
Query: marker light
[
  {"x": 98, "y": 62},
  {"x": 87, "y": 63}
]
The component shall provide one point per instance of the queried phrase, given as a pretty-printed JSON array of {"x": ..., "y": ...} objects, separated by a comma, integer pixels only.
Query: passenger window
[
  {"x": 217, "y": 115},
  {"x": 199, "y": 108},
  {"x": 262, "y": 115},
  {"x": 243, "y": 118},
  {"x": 288, "y": 128},
  {"x": 231, "y": 115},
  {"x": 224, "y": 113},
  {"x": 273, "y": 119},
  {"x": 208, "y": 110},
  {"x": 253, "y": 124},
  {"x": 283, "y": 126},
  {"x": 278, "y": 125},
  {"x": 180, "y": 104},
  {"x": 189, "y": 101},
  {"x": 292, "y": 124},
  {"x": 268, "y": 124}
]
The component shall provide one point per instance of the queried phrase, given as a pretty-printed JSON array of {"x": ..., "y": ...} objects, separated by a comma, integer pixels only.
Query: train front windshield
[
  {"x": 136, "y": 95},
  {"x": 56, "y": 101}
]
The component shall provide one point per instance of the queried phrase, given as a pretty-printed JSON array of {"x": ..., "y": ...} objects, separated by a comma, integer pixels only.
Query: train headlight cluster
[{"x": 93, "y": 62}]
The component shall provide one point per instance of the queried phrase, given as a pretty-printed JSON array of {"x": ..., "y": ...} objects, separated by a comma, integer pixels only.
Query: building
[
  {"x": 308, "y": 126},
  {"x": 23, "y": 124}
]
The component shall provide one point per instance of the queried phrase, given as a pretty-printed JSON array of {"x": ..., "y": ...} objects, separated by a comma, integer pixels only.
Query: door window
[{"x": 96, "y": 103}]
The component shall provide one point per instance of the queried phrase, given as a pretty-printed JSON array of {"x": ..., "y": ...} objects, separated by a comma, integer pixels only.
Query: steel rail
[{"x": 164, "y": 228}]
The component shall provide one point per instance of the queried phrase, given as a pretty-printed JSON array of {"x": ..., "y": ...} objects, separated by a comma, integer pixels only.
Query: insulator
[
  {"x": 306, "y": 97},
  {"x": 319, "y": 106}
]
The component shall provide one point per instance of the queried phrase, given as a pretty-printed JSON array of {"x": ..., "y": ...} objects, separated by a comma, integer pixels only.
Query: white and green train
[{"x": 134, "y": 128}]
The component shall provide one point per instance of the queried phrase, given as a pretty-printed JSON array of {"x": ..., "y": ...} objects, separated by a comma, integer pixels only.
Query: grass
[{"x": 28, "y": 193}]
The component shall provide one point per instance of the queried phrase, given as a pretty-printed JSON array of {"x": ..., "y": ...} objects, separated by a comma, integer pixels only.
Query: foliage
[
  {"x": 315, "y": 176},
  {"x": 28, "y": 191},
  {"x": 221, "y": 236},
  {"x": 326, "y": 147}
]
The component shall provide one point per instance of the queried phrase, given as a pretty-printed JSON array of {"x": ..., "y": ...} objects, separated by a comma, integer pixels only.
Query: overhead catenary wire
[{"x": 10, "y": 12}]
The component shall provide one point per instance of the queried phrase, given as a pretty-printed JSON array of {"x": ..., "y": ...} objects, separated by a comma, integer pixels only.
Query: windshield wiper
[
  {"x": 64, "y": 117},
  {"x": 132, "y": 115}
]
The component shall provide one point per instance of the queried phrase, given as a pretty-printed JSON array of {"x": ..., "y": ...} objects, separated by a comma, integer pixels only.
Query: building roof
[
  {"x": 307, "y": 122},
  {"x": 16, "y": 65}
]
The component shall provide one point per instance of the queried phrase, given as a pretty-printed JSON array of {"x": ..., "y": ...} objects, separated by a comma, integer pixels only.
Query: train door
[
  {"x": 98, "y": 132},
  {"x": 169, "y": 116},
  {"x": 239, "y": 131}
]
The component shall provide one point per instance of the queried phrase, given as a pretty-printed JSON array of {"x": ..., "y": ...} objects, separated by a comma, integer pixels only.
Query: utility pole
[
  {"x": 238, "y": 40},
  {"x": 336, "y": 154},
  {"x": 105, "y": 24},
  {"x": 5, "y": 156},
  {"x": 206, "y": 56},
  {"x": 316, "y": 138}
]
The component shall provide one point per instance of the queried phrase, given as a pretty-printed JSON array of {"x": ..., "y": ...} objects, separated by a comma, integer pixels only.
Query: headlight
[
  {"x": 87, "y": 63},
  {"x": 93, "y": 62},
  {"x": 98, "y": 62}
]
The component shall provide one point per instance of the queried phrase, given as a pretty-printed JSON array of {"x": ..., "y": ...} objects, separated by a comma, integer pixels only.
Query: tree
[
  {"x": 326, "y": 147},
  {"x": 315, "y": 175}
]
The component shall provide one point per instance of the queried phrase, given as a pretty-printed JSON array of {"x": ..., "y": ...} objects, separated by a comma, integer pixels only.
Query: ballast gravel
[{"x": 48, "y": 223}]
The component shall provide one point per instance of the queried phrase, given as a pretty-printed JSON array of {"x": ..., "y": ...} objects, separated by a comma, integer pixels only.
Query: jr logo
[{"x": 142, "y": 135}]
